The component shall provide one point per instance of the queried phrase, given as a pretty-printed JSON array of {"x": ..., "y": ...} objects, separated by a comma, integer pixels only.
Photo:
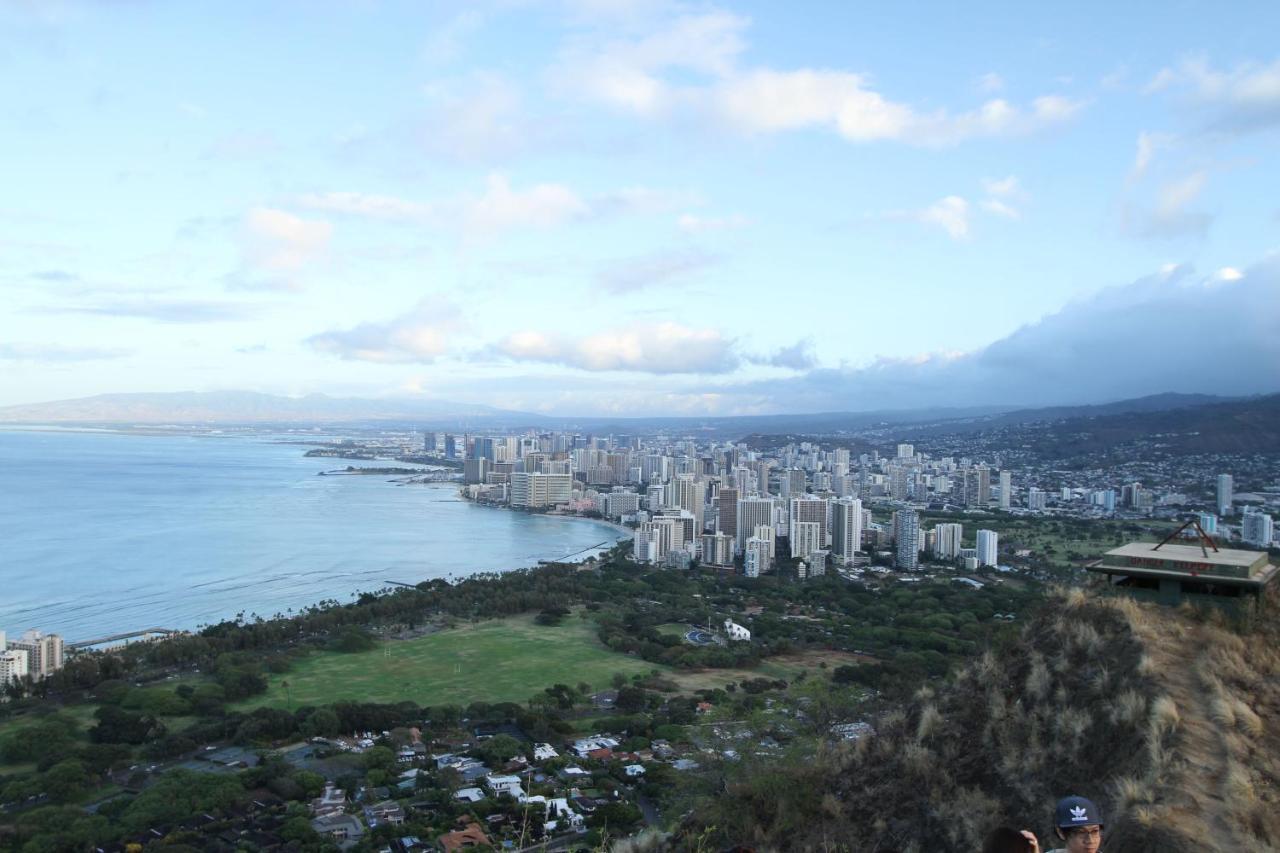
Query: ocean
[{"x": 110, "y": 532}]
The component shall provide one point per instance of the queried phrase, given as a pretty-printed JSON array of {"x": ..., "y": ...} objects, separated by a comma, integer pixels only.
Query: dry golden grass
[{"x": 1168, "y": 718}]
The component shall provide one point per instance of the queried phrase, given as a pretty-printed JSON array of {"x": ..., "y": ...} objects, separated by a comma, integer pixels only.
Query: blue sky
[{"x": 640, "y": 207}]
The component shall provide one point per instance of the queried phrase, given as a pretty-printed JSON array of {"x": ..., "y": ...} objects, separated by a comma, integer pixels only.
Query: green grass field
[{"x": 495, "y": 661}]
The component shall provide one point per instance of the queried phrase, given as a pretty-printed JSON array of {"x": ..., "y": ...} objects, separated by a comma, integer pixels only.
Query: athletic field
[{"x": 500, "y": 660}]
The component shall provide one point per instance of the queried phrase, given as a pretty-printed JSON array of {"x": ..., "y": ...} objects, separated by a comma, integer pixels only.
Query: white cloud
[
  {"x": 480, "y": 117},
  {"x": 629, "y": 75},
  {"x": 1245, "y": 98},
  {"x": 1002, "y": 187},
  {"x": 419, "y": 336},
  {"x": 693, "y": 65},
  {"x": 1000, "y": 208},
  {"x": 767, "y": 100},
  {"x": 1148, "y": 143},
  {"x": 280, "y": 244},
  {"x": 1169, "y": 214},
  {"x": 628, "y": 275},
  {"x": 1228, "y": 274},
  {"x": 662, "y": 348},
  {"x": 365, "y": 205},
  {"x": 951, "y": 214},
  {"x": 990, "y": 83},
  {"x": 501, "y": 207},
  {"x": 1003, "y": 194}
]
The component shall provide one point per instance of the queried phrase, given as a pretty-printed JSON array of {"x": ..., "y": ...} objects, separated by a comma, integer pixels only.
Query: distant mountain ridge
[
  {"x": 1181, "y": 423},
  {"x": 253, "y": 408},
  {"x": 245, "y": 407}
]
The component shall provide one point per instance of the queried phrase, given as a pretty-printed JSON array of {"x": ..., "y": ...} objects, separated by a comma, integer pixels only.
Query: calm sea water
[{"x": 105, "y": 532}]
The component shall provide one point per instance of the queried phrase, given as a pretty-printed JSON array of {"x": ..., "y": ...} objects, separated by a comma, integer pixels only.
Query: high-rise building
[
  {"x": 475, "y": 470},
  {"x": 805, "y": 538},
  {"x": 906, "y": 451},
  {"x": 716, "y": 549},
  {"x": 13, "y": 666},
  {"x": 1226, "y": 487},
  {"x": 1036, "y": 499},
  {"x": 811, "y": 509},
  {"x": 1209, "y": 523},
  {"x": 45, "y": 653},
  {"x": 450, "y": 446},
  {"x": 1006, "y": 489},
  {"x": 688, "y": 492},
  {"x": 1257, "y": 528},
  {"x": 899, "y": 482},
  {"x": 988, "y": 542},
  {"x": 540, "y": 490},
  {"x": 752, "y": 513},
  {"x": 768, "y": 534},
  {"x": 947, "y": 540},
  {"x": 792, "y": 482},
  {"x": 727, "y": 509},
  {"x": 755, "y": 557},
  {"x": 846, "y": 529},
  {"x": 906, "y": 534}
]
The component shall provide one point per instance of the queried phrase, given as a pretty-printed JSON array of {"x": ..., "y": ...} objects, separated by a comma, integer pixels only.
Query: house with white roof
[{"x": 508, "y": 785}]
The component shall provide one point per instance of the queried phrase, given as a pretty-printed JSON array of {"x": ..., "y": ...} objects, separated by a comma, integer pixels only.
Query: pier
[{"x": 145, "y": 634}]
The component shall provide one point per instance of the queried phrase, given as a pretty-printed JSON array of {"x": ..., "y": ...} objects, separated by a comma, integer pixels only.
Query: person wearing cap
[{"x": 1078, "y": 822}]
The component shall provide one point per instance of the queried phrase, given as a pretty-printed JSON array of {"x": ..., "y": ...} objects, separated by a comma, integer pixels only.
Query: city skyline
[{"x": 640, "y": 208}]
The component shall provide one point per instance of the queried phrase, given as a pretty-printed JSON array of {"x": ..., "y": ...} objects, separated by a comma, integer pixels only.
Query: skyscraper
[
  {"x": 988, "y": 542},
  {"x": 756, "y": 558},
  {"x": 947, "y": 540},
  {"x": 1257, "y": 528},
  {"x": 44, "y": 653},
  {"x": 846, "y": 529},
  {"x": 811, "y": 509},
  {"x": 752, "y": 513},
  {"x": 804, "y": 538},
  {"x": 1006, "y": 489},
  {"x": 1225, "y": 488},
  {"x": 727, "y": 502},
  {"x": 906, "y": 533}
]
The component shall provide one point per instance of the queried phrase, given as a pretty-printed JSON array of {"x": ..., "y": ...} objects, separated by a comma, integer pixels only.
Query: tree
[
  {"x": 65, "y": 781},
  {"x": 631, "y": 699},
  {"x": 322, "y": 722}
]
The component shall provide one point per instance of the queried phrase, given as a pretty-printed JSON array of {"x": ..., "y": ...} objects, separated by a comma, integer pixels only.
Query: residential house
[
  {"x": 470, "y": 835},
  {"x": 332, "y": 801},
  {"x": 505, "y": 786},
  {"x": 344, "y": 829},
  {"x": 385, "y": 812}
]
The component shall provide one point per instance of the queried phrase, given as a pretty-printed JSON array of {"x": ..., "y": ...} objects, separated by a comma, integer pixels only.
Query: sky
[{"x": 639, "y": 206}]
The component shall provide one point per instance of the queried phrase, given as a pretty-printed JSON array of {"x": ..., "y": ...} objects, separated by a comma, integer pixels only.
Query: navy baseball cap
[{"x": 1076, "y": 811}]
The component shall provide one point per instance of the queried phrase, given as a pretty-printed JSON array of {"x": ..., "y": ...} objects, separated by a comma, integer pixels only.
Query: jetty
[{"x": 144, "y": 634}]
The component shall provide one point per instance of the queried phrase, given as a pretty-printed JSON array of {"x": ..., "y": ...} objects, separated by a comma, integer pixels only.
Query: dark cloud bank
[{"x": 1177, "y": 331}]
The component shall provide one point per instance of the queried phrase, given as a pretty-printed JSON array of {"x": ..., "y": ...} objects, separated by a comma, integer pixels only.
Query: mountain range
[{"x": 255, "y": 409}]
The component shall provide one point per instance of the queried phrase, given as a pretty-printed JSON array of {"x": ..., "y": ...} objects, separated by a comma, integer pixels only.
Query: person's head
[
  {"x": 1006, "y": 840},
  {"x": 1078, "y": 823}
]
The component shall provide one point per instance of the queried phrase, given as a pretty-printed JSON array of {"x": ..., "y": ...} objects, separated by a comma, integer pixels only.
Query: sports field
[{"x": 494, "y": 661}]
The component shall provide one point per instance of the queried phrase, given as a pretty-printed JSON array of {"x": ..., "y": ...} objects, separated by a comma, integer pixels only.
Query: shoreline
[{"x": 627, "y": 532}]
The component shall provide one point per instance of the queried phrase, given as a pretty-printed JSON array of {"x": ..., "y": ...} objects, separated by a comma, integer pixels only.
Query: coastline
[
  {"x": 158, "y": 511},
  {"x": 627, "y": 532}
]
